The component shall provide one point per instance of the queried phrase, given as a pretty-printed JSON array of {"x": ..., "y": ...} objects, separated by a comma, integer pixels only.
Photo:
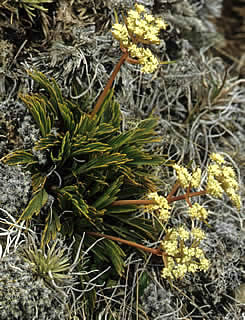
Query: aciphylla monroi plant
[{"x": 89, "y": 176}]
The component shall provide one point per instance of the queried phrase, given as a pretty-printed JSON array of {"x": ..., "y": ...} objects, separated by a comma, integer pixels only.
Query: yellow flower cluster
[
  {"x": 186, "y": 179},
  {"x": 182, "y": 259},
  {"x": 144, "y": 26},
  {"x": 120, "y": 32},
  {"x": 161, "y": 207},
  {"x": 222, "y": 179},
  {"x": 198, "y": 212},
  {"x": 140, "y": 28},
  {"x": 145, "y": 57}
]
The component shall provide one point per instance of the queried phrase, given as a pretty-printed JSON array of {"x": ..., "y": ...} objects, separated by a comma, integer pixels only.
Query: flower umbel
[
  {"x": 143, "y": 28},
  {"x": 198, "y": 212},
  {"x": 222, "y": 179},
  {"x": 181, "y": 258},
  {"x": 161, "y": 207}
]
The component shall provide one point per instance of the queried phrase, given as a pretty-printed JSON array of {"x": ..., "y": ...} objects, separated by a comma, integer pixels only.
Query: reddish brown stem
[
  {"x": 183, "y": 196},
  {"x": 135, "y": 202},
  {"x": 157, "y": 252},
  {"x": 109, "y": 84},
  {"x": 187, "y": 197},
  {"x": 174, "y": 189},
  {"x": 148, "y": 202}
]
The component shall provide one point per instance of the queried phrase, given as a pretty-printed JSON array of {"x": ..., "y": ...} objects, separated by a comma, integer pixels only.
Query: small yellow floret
[
  {"x": 184, "y": 178},
  {"x": 149, "y": 18},
  {"x": 198, "y": 212},
  {"x": 204, "y": 264},
  {"x": 139, "y": 8},
  {"x": 161, "y": 206},
  {"x": 161, "y": 24},
  {"x": 183, "y": 233},
  {"x": 216, "y": 157},
  {"x": 235, "y": 198},
  {"x": 182, "y": 259},
  {"x": 196, "y": 178},
  {"x": 198, "y": 233},
  {"x": 179, "y": 271},
  {"x": 215, "y": 170},
  {"x": 141, "y": 28},
  {"x": 192, "y": 267},
  {"x": 120, "y": 33},
  {"x": 222, "y": 179},
  {"x": 214, "y": 187}
]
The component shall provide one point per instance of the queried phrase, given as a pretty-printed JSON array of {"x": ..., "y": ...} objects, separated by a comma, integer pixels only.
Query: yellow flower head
[
  {"x": 140, "y": 27},
  {"x": 196, "y": 178},
  {"x": 198, "y": 233},
  {"x": 181, "y": 258},
  {"x": 222, "y": 179},
  {"x": 162, "y": 208},
  {"x": 217, "y": 158},
  {"x": 184, "y": 178},
  {"x": 198, "y": 212}
]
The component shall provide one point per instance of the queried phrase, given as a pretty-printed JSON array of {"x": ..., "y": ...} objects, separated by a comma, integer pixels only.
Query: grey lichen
[
  {"x": 14, "y": 189},
  {"x": 24, "y": 297},
  {"x": 158, "y": 303}
]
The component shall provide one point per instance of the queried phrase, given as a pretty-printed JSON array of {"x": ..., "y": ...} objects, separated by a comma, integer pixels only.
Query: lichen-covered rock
[
  {"x": 158, "y": 302},
  {"x": 22, "y": 297},
  {"x": 14, "y": 189}
]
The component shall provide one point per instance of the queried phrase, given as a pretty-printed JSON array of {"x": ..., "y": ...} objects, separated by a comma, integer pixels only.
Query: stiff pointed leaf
[
  {"x": 106, "y": 251},
  {"x": 79, "y": 205},
  {"x": 122, "y": 209},
  {"x": 139, "y": 157},
  {"x": 117, "y": 141},
  {"x": 145, "y": 133},
  {"x": 64, "y": 151},
  {"x": 38, "y": 181},
  {"x": 35, "y": 205},
  {"x": 152, "y": 161},
  {"x": 55, "y": 96},
  {"x": 50, "y": 141},
  {"x": 68, "y": 118},
  {"x": 129, "y": 174},
  {"x": 102, "y": 161},
  {"x": 19, "y": 157},
  {"x": 109, "y": 195},
  {"x": 90, "y": 147},
  {"x": 37, "y": 107},
  {"x": 52, "y": 226},
  {"x": 86, "y": 126},
  {"x": 116, "y": 255},
  {"x": 142, "y": 227},
  {"x": 104, "y": 130},
  {"x": 109, "y": 111}
]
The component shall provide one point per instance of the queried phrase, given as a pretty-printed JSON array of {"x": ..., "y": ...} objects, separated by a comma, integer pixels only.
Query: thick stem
[
  {"x": 109, "y": 84},
  {"x": 133, "y": 202},
  {"x": 174, "y": 189},
  {"x": 183, "y": 196},
  {"x": 148, "y": 202},
  {"x": 157, "y": 252}
]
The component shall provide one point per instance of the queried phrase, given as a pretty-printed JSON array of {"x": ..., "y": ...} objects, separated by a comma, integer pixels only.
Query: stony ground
[{"x": 200, "y": 102}]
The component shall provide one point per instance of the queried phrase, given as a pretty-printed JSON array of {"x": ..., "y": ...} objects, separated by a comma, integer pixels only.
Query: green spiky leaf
[
  {"x": 37, "y": 107},
  {"x": 35, "y": 205},
  {"x": 52, "y": 226},
  {"x": 20, "y": 157}
]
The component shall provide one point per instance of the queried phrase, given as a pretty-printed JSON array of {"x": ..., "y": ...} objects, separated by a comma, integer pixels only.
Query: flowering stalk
[
  {"x": 191, "y": 194},
  {"x": 109, "y": 84},
  {"x": 157, "y": 252},
  {"x": 149, "y": 202},
  {"x": 139, "y": 27}
]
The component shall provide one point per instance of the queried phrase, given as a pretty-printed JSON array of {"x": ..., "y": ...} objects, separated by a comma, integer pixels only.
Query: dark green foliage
[{"x": 90, "y": 164}]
